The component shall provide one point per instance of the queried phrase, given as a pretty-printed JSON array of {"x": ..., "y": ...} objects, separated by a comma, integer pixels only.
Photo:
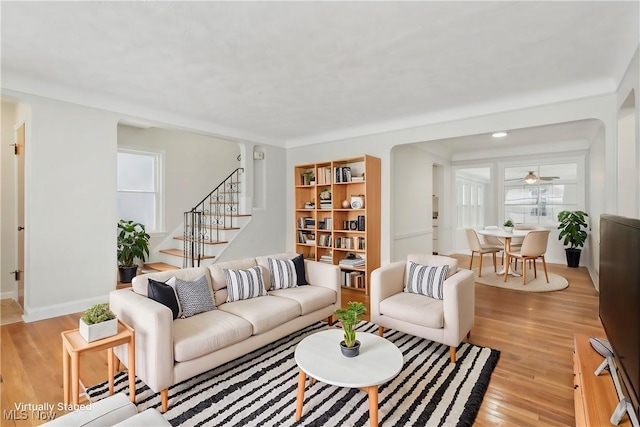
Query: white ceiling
[{"x": 290, "y": 73}]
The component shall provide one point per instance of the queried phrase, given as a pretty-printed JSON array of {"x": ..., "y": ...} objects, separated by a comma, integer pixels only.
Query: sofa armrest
[
  {"x": 458, "y": 305},
  {"x": 325, "y": 275},
  {"x": 153, "y": 325},
  {"x": 386, "y": 281}
]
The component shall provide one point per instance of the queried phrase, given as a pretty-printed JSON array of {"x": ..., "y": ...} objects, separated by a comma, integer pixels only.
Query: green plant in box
[
  {"x": 349, "y": 318},
  {"x": 97, "y": 314}
]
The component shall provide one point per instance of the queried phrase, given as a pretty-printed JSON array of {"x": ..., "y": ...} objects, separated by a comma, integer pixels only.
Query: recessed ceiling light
[{"x": 499, "y": 134}]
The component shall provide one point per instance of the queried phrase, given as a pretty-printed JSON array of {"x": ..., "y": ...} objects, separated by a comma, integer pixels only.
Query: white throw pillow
[
  {"x": 426, "y": 280},
  {"x": 194, "y": 297},
  {"x": 244, "y": 284}
]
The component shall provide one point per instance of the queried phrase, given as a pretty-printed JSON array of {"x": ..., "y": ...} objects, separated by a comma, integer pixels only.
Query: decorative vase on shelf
[{"x": 346, "y": 204}]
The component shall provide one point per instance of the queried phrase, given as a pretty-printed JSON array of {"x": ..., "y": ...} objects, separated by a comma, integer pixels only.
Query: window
[
  {"x": 139, "y": 189},
  {"x": 471, "y": 188},
  {"x": 554, "y": 189}
]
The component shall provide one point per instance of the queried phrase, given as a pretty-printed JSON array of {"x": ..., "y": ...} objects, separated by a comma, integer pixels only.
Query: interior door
[{"x": 20, "y": 147}]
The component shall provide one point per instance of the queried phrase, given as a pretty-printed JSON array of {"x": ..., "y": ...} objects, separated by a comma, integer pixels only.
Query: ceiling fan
[{"x": 532, "y": 178}]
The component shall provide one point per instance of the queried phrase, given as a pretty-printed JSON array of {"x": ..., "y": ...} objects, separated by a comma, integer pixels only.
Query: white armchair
[{"x": 446, "y": 321}]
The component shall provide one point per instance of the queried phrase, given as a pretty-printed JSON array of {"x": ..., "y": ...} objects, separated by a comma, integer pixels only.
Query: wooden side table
[{"x": 73, "y": 345}]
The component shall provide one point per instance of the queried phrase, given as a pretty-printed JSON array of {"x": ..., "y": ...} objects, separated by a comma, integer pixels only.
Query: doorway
[{"x": 19, "y": 150}]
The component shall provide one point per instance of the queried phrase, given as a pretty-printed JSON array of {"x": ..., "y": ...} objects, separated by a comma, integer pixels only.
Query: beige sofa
[
  {"x": 446, "y": 321},
  {"x": 169, "y": 351}
]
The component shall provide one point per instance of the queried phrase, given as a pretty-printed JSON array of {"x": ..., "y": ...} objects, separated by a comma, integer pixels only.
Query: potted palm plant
[
  {"x": 133, "y": 243},
  {"x": 572, "y": 233},
  {"x": 98, "y": 322},
  {"x": 349, "y": 317}
]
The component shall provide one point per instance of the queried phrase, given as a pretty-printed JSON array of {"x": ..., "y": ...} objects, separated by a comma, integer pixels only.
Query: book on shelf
[
  {"x": 306, "y": 238},
  {"x": 352, "y": 261},
  {"x": 325, "y": 240},
  {"x": 361, "y": 223},
  {"x": 327, "y": 257},
  {"x": 357, "y": 178},
  {"x": 352, "y": 279},
  {"x": 342, "y": 174},
  {"x": 328, "y": 223},
  {"x": 324, "y": 175},
  {"x": 326, "y": 204}
]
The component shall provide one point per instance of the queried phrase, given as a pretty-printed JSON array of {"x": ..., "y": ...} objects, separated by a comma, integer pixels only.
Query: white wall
[
  {"x": 411, "y": 201},
  {"x": 602, "y": 108},
  {"x": 71, "y": 208},
  {"x": 194, "y": 165},
  {"x": 596, "y": 205}
]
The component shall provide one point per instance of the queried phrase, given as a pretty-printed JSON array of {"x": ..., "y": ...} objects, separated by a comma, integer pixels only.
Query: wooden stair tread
[
  {"x": 180, "y": 253},
  {"x": 158, "y": 266},
  {"x": 206, "y": 242}
]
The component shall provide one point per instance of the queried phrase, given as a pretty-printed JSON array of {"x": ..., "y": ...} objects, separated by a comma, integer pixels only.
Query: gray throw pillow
[{"x": 195, "y": 297}]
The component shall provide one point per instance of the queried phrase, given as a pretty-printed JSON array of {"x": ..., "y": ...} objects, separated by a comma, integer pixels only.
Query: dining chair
[
  {"x": 477, "y": 247},
  {"x": 494, "y": 241},
  {"x": 534, "y": 246}
]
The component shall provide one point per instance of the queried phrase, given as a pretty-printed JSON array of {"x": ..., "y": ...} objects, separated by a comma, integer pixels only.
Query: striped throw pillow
[
  {"x": 426, "y": 280},
  {"x": 244, "y": 284},
  {"x": 283, "y": 273}
]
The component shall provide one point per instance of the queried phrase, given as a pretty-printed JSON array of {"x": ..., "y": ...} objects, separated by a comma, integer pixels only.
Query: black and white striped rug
[{"x": 259, "y": 389}]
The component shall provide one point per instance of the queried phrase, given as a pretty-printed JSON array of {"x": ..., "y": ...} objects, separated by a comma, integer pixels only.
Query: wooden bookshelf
[{"x": 325, "y": 229}]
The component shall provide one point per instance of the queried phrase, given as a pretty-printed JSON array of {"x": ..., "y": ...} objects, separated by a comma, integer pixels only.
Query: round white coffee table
[{"x": 319, "y": 357}]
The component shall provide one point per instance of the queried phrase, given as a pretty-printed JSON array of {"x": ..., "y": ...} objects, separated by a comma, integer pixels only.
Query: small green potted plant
[
  {"x": 572, "y": 232},
  {"x": 133, "y": 243},
  {"x": 98, "y": 322},
  {"x": 349, "y": 317},
  {"x": 508, "y": 225}
]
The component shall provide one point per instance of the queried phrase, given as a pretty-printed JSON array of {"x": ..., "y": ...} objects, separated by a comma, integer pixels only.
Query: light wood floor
[{"x": 531, "y": 385}]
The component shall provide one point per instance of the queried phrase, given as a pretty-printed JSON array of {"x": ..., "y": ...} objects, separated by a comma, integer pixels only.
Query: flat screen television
[{"x": 620, "y": 297}]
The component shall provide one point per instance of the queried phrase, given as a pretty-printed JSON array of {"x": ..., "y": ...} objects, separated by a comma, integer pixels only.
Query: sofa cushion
[
  {"x": 165, "y": 294},
  {"x": 434, "y": 261},
  {"x": 264, "y": 313},
  {"x": 414, "y": 308},
  {"x": 426, "y": 280},
  {"x": 310, "y": 298},
  {"x": 140, "y": 283},
  {"x": 244, "y": 284},
  {"x": 282, "y": 273},
  {"x": 218, "y": 278},
  {"x": 207, "y": 332}
]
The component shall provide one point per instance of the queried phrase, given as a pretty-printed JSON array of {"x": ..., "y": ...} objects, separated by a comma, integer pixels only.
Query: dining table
[{"x": 507, "y": 237}]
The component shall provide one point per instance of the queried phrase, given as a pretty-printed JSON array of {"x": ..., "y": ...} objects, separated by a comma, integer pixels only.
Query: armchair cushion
[
  {"x": 415, "y": 309},
  {"x": 434, "y": 261},
  {"x": 426, "y": 280}
]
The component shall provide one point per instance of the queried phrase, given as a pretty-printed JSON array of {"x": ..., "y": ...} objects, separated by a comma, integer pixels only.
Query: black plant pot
[
  {"x": 350, "y": 351},
  {"x": 127, "y": 273},
  {"x": 573, "y": 257}
]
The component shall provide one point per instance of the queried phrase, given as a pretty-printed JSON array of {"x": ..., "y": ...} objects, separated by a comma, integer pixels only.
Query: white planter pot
[{"x": 98, "y": 331}]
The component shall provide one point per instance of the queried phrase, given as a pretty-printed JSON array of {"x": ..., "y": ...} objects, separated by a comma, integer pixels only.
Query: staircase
[{"x": 207, "y": 230}]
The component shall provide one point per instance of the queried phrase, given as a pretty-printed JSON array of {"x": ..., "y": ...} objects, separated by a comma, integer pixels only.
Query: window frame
[
  {"x": 580, "y": 182},
  {"x": 159, "y": 166}
]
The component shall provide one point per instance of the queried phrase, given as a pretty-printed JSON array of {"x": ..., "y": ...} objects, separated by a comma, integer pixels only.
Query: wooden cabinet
[
  {"x": 595, "y": 397},
  {"x": 337, "y": 214}
]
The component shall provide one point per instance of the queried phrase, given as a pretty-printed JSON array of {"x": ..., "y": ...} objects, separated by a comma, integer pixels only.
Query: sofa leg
[
  {"x": 380, "y": 330},
  {"x": 469, "y": 334},
  {"x": 330, "y": 320},
  {"x": 164, "y": 396},
  {"x": 452, "y": 352}
]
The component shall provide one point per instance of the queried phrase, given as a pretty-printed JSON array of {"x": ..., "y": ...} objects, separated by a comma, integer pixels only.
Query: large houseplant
[
  {"x": 349, "y": 317},
  {"x": 572, "y": 232},
  {"x": 133, "y": 243}
]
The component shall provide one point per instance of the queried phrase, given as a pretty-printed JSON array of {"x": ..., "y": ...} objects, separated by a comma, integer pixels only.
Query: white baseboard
[
  {"x": 41, "y": 313},
  {"x": 9, "y": 295}
]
